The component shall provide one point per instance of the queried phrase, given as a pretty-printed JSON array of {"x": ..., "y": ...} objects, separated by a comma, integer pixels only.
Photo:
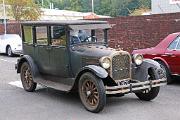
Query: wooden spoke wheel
[
  {"x": 92, "y": 92},
  {"x": 27, "y": 78}
]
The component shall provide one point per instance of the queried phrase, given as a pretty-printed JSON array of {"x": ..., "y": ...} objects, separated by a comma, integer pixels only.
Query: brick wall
[
  {"x": 142, "y": 31},
  {"x": 12, "y": 28},
  {"x": 134, "y": 31}
]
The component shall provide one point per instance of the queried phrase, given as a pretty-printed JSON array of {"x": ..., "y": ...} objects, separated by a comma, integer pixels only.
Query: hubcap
[
  {"x": 90, "y": 93},
  {"x": 9, "y": 51}
]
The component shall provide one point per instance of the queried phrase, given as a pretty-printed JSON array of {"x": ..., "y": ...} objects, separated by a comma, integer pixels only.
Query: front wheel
[
  {"x": 27, "y": 78},
  {"x": 147, "y": 94},
  {"x": 92, "y": 92}
]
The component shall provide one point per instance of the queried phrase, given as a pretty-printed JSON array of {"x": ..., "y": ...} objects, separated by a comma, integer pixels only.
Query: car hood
[
  {"x": 142, "y": 51},
  {"x": 93, "y": 50}
]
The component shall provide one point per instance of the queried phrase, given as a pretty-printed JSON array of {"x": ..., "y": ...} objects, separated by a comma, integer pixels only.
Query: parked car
[
  {"x": 10, "y": 44},
  {"x": 74, "y": 56},
  {"x": 167, "y": 53}
]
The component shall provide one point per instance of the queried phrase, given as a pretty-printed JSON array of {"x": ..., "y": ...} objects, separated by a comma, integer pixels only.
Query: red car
[{"x": 167, "y": 53}]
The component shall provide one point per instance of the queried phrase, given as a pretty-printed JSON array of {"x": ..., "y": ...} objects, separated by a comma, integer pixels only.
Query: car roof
[
  {"x": 9, "y": 35},
  {"x": 63, "y": 22},
  {"x": 177, "y": 33}
]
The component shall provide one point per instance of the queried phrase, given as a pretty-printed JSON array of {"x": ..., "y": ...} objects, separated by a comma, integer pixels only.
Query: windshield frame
[{"x": 93, "y": 33}]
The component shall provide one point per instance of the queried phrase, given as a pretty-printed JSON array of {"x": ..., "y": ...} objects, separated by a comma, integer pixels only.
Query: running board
[{"x": 55, "y": 85}]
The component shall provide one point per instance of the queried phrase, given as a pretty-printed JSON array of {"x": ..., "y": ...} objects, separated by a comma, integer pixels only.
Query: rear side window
[
  {"x": 28, "y": 34},
  {"x": 174, "y": 44},
  {"x": 58, "y": 35},
  {"x": 41, "y": 35}
]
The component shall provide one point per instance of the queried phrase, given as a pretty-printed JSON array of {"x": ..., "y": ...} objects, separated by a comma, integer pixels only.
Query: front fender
[
  {"x": 97, "y": 70},
  {"x": 141, "y": 72}
]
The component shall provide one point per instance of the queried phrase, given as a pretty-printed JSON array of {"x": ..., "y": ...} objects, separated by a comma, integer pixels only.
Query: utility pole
[
  {"x": 4, "y": 12},
  {"x": 42, "y": 3},
  {"x": 92, "y": 6}
]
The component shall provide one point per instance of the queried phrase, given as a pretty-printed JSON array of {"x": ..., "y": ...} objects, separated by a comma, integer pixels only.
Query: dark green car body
[{"x": 59, "y": 64}]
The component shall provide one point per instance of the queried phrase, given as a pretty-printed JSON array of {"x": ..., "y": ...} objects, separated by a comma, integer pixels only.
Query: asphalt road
[{"x": 49, "y": 104}]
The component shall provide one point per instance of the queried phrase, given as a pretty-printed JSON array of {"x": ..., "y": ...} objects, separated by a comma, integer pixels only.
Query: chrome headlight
[
  {"x": 138, "y": 59},
  {"x": 105, "y": 62}
]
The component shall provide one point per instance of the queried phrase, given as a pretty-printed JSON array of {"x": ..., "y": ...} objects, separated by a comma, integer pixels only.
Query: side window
[
  {"x": 173, "y": 45},
  {"x": 178, "y": 46},
  {"x": 28, "y": 35},
  {"x": 41, "y": 35},
  {"x": 58, "y": 35}
]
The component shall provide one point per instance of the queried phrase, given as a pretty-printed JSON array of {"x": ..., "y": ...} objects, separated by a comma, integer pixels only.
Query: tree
[
  {"x": 104, "y": 7},
  {"x": 24, "y": 9},
  {"x": 139, "y": 11}
]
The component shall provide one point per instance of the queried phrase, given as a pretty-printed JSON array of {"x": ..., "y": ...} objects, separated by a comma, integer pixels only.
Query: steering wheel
[{"x": 90, "y": 39}]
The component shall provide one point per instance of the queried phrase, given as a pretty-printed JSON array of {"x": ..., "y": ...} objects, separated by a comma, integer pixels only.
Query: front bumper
[{"x": 133, "y": 87}]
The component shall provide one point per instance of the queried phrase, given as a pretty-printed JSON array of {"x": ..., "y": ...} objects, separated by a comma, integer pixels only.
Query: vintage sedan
[
  {"x": 74, "y": 56},
  {"x": 10, "y": 44},
  {"x": 167, "y": 53}
]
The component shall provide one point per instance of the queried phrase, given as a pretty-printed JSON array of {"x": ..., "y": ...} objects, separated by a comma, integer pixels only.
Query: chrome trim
[{"x": 132, "y": 87}]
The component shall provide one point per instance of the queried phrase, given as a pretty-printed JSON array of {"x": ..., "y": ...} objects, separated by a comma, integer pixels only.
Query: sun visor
[{"x": 90, "y": 26}]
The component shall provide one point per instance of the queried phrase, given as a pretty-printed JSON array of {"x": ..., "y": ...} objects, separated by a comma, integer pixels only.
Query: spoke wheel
[
  {"x": 92, "y": 92},
  {"x": 27, "y": 78}
]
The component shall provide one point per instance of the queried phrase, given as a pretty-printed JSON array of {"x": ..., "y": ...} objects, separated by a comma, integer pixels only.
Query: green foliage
[
  {"x": 24, "y": 9},
  {"x": 139, "y": 11},
  {"x": 103, "y": 7}
]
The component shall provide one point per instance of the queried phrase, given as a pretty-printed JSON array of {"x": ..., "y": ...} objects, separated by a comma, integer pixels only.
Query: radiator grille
[{"x": 121, "y": 67}]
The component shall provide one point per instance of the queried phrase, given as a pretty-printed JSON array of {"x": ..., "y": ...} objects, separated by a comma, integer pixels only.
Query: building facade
[{"x": 165, "y": 6}]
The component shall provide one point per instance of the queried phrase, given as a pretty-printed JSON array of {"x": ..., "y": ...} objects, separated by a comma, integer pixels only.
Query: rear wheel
[
  {"x": 168, "y": 75},
  {"x": 147, "y": 94},
  {"x": 27, "y": 78},
  {"x": 92, "y": 92},
  {"x": 9, "y": 51}
]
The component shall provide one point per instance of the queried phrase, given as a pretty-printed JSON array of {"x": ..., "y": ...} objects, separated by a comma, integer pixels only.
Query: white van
[{"x": 10, "y": 44}]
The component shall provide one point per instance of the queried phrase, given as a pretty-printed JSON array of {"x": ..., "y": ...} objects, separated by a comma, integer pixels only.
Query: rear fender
[{"x": 29, "y": 60}]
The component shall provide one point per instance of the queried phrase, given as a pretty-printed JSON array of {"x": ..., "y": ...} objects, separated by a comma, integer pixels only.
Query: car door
[
  {"x": 42, "y": 49},
  {"x": 172, "y": 56},
  {"x": 59, "y": 59}
]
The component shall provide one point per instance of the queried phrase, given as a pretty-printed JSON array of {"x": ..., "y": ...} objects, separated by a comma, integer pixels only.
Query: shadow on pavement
[
  {"x": 5, "y": 55},
  {"x": 176, "y": 80}
]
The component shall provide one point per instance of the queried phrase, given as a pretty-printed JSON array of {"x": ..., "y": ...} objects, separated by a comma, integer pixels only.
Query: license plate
[{"x": 124, "y": 82}]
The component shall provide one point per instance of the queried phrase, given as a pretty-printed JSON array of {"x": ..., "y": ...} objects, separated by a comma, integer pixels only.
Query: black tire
[
  {"x": 27, "y": 78},
  {"x": 9, "y": 51},
  {"x": 168, "y": 75},
  {"x": 93, "y": 98},
  {"x": 148, "y": 95}
]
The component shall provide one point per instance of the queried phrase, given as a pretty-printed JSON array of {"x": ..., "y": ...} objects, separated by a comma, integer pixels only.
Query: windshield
[{"x": 87, "y": 36}]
